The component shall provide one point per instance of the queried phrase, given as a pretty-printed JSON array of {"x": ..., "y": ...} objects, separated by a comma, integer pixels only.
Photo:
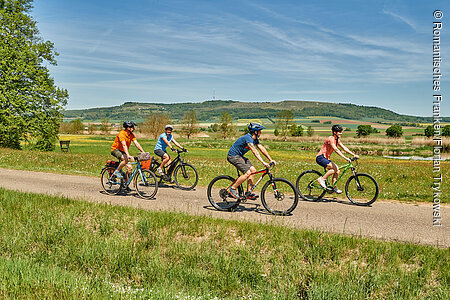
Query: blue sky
[{"x": 376, "y": 53}]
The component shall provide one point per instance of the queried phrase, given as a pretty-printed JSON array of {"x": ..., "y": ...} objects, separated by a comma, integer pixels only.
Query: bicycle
[
  {"x": 361, "y": 188},
  {"x": 282, "y": 201},
  {"x": 145, "y": 181},
  {"x": 184, "y": 174}
]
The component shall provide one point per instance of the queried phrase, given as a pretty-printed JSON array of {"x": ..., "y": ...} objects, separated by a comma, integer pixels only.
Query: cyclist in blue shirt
[
  {"x": 236, "y": 157},
  {"x": 164, "y": 140}
]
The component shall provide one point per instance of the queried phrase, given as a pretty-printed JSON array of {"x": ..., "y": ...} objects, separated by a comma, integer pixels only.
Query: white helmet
[{"x": 168, "y": 126}]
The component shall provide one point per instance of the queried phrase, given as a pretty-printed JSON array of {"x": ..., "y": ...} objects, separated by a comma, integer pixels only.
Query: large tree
[
  {"x": 394, "y": 131},
  {"x": 284, "y": 121},
  {"x": 155, "y": 123},
  {"x": 226, "y": 126},
  {"x": 190, "y": 124},
  {"x": 30, "y": 104}
]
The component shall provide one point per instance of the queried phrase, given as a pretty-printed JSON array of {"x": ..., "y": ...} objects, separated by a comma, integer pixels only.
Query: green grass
[
  {"x": 54, "y": 247},
  {"x": 398, "y": 179}
]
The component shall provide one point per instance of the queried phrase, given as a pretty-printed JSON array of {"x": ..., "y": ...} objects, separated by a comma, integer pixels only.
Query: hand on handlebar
[{"x": 272, "y": 162}]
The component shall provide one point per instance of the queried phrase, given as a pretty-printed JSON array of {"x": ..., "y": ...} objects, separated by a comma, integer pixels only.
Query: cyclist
[
  {"x": 236, "y": 158},
  {"x": 119, "y": 148},
  {"x": 323, "y": 157},
  {"x": 164, "y": 140}
]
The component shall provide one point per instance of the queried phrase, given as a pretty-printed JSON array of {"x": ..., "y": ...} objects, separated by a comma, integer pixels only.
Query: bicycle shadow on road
[
  {"x": 255, "y": 207},
  {"x": 172, "y": 186},
  {"x": 334, "y": 200},
  {"x": 125, "y": 194}
]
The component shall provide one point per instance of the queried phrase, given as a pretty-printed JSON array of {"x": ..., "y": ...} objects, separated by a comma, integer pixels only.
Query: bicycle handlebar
[{"x": 353, "y": 158}]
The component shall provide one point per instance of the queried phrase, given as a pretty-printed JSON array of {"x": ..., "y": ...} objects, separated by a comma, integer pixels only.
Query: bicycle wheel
[
  {"x": 218, "y": 194},
  {"x": 110, "y": 183},
  {"x": 282, "y": 199},
  {"x": 308, "y": 187},
  {"x": 362, "y": 189},
  {"x": 186, "y": 176},
  {"x": 146, "y": 184}
]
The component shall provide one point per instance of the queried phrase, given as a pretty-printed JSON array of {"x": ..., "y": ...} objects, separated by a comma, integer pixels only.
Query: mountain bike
[
  {"x": 361, "y": 188},
  {"x": 145, "y": 181},
  {"x": 282, "y": 199},
  {"x": 184, "y": 174}
]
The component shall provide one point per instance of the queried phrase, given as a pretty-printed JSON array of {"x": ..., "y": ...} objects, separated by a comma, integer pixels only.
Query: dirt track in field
[{"x": 387, "y": 220}]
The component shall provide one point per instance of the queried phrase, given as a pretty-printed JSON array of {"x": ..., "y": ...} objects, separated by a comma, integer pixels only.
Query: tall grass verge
[{"x": 53, "y": 247}]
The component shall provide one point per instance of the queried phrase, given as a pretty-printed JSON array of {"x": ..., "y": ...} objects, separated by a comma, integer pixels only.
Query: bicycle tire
[
  {"x": 187, "y": 172},
  {"x": 368, "y": 185},
  {"x": 218, "y": 195},
  {"x": 146, "y": 185},
  {"x": 283, "y": 200},
  {"x": 307, "y": 186},
  {"x": 110, "y": 183}
]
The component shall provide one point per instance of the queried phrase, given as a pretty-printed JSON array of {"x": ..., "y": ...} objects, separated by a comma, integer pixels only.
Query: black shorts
[
  {"x": 243, "y": 164},
  {"x": 322, "y": 161},
  {"x": 160, "y": 152}
]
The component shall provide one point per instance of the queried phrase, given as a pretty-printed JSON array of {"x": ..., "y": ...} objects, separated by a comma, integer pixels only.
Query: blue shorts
[{"x": 322, "y": 161}]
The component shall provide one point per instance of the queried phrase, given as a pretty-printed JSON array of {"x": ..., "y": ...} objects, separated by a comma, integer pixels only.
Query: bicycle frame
[
  {"x": 264, "y": 171},
  {"x": 345, "y": 167},
  {"x": 134, "y": 173},
  {"x": 177, "y": 160}
]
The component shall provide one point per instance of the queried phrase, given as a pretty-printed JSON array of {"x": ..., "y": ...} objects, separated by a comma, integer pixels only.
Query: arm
[
  {"x": 257, "y": 155},
  {"x": 177, "y": 144},
  {"x": 136, "y": 143},
  {"x": 347, "y": 150},
  {"x": 125, "y": 148},
  {"x": 264, "y": 151},
  {"x": 167, "y": 142},
  {"x": 339, "y": 151}
]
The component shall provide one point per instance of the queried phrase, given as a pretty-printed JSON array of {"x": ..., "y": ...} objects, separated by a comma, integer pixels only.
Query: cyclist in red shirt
[
  {"x": 323, "y": 157},
  {"x": 119, "y": 148}
]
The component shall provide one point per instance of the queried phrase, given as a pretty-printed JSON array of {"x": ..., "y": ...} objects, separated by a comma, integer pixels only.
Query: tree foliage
[
  {"x": 155, "y": 123},
  {"x": 190, "y": 124},
  {"x": 284, "y": 121},
  {"x": 310, "y": 131},
  {"x": 365, "y": 130},
  {"x": 226, "y": 126},
  {"x": 296, "y": 130},
  {"x": 446, "y": 130},
  {"x": 30, "y": 103},
  {"x": 105, "y": 126},
  {"x": 429, "y": 131},
  {"x": 394, "y": 131}
]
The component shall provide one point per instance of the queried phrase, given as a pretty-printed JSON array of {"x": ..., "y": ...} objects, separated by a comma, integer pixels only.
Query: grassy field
[
  {"x": 402, "y": 180},
  {"x": 53, "y": 247}
]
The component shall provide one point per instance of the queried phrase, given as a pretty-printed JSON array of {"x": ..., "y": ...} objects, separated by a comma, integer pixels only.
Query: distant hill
[{"x": 211, "y": 110}]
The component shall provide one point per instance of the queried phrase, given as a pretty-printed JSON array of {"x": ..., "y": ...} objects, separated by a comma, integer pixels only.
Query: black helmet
[
  {"x": 128, "y": 124},
  {"x": 168, "y": 126},
  {"x": 252, "y": 127},
  {"x": 337, "y": 128}
]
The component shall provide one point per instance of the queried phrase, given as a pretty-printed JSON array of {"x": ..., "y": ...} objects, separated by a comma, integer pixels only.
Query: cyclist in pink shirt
[{"x": 323, "y": 157}]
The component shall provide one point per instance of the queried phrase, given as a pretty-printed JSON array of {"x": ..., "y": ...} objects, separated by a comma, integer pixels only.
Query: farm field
[
  {"x": 403, "y": 180},
  {"x": 55, "y": 247}
]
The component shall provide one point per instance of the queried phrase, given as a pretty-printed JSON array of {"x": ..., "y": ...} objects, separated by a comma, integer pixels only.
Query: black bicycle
[
  {"x": 145, "y": 181},
  {"x": 361, "y": 188},
  {"x": 185, "y": 176},
  {"x": 282, "y": 199}
]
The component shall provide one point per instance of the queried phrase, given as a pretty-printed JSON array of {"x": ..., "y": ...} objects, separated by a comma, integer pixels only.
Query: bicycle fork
[{"x": 358, "y": 184}]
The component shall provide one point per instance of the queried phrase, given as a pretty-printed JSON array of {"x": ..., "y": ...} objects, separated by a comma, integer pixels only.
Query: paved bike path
[{"x": 384, "y": 220}]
